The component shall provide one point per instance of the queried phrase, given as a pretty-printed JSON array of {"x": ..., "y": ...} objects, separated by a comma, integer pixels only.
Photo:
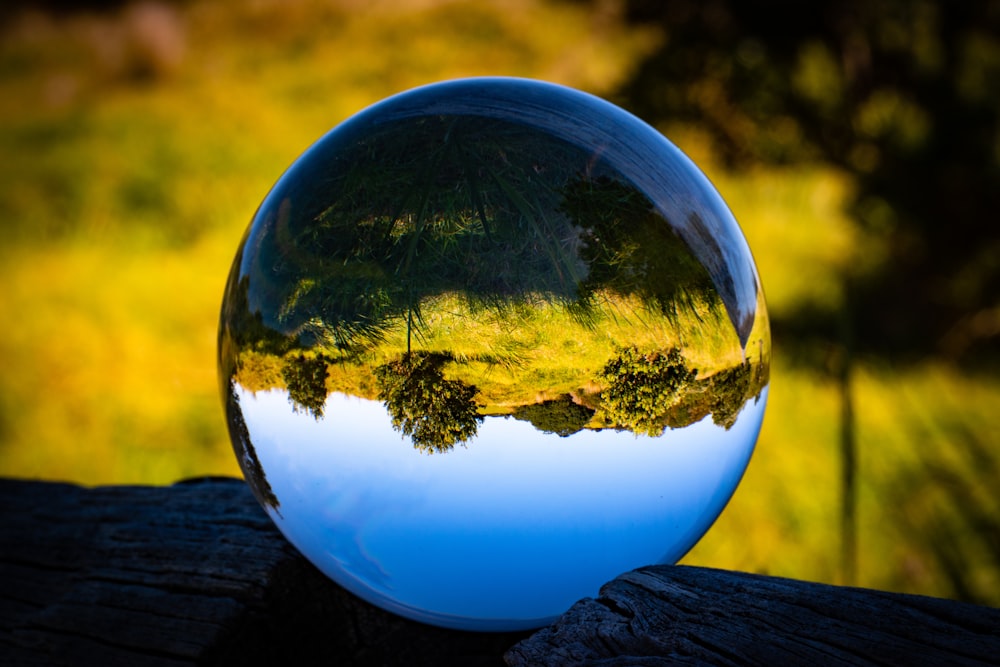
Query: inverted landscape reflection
[{"x": 489, "y": 344}]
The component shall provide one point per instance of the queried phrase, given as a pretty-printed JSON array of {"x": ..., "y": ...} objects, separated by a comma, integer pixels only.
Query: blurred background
[{"x": 857, "y": 142}]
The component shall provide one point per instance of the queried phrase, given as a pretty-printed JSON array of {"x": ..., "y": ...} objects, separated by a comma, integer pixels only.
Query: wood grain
[
  {"x": 193, "y": 573},
  {"x": 196, "y": 573},
  {"x": 676, "y": 615}
]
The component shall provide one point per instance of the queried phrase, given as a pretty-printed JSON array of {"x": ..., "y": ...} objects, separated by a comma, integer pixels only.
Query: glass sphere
[{"x": 487, "y": 345}]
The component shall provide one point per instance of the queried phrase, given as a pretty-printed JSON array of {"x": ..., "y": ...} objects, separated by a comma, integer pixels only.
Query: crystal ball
[{"x": 488, "y": 344}]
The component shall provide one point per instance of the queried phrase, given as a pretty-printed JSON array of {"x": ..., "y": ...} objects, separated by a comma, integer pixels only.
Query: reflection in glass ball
[{"x": 487, "y": 345}]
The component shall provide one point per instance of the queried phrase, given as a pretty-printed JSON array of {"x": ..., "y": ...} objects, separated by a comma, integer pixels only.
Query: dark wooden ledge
[
  {"x": 195, "y": 573},
  {"x": 675, "y": 615}
]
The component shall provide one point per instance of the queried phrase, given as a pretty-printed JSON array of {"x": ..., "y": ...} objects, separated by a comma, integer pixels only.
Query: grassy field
[{"x": 137, "y": 145}]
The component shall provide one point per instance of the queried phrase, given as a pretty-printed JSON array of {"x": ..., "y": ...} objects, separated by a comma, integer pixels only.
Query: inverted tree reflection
[
  {"x": 563, "y": 416},
  {"x": 305, "y": 378},
  {"x": 641, "y": 388},
  {"x": 645, "y": 391},
  {"x": 630, "y": 249},
  {"x": 435, "y": 412}
]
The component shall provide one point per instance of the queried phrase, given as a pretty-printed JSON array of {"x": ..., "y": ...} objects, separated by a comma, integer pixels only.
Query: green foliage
[
  {"x": 561, "y": 416},
  {"x": 631, "y": 250},
  {"x": 435, "y": 412},
  {"x": 642, "y": 387},
  {"x": 259, "y": 372},
  {"x": 728, "y": 393},
  {"x": 893, "y": 94},
  {"x": 305, "y": 378}
]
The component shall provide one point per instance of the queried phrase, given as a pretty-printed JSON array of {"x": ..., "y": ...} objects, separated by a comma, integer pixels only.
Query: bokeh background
[{"x": 857, "y": 142}]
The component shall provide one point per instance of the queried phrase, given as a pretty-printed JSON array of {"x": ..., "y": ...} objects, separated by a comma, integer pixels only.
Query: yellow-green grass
[
  {"x": 529, "y": 351},
  {"x": 927, "y": 471},
  {"x": 109, "y": 365}
]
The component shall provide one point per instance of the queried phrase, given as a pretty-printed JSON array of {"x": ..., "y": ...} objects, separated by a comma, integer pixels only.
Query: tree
[
  {"x": 560, "y": 416},
  {"x": 642, "y": 387},
  {"x": 729, "y": 390},
  {"x": 901, "y": 95},
  {"x": 305, "y": 378},
  {"x": 631, "y": 249},
  {"x": 435, "y": 412}
]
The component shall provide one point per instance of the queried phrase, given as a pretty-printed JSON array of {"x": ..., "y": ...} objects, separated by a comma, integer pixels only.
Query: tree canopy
[
  {"x": 900, "y": 95},
  {"x": 437, "y": 413}
]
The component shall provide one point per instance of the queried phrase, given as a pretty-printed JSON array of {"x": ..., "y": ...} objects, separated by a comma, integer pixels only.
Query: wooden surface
[
  {"x": 196, "y": 573},
  {"x": 675, "y": 615},
  {"x": 189, "y": 574}
]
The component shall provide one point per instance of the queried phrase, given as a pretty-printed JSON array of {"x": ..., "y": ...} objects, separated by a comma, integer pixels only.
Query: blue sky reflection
[{"x": 505, "y": 533}]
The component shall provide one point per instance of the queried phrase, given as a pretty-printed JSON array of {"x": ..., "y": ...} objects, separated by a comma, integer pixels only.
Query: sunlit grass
[
  {"x": 783, "y": 518},
  {"x": 927, "y": 440},
  {"x": 928, "y": 473},
  {"x": 521, "y": 352},
  {"x": 106, "y": 377}
]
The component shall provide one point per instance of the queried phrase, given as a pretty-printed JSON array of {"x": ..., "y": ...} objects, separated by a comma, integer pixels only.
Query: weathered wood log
[
  {"x": 675, "y": 615},
  {"x": 189, "y": 574},
  {"x": 197, "y": 574}
]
